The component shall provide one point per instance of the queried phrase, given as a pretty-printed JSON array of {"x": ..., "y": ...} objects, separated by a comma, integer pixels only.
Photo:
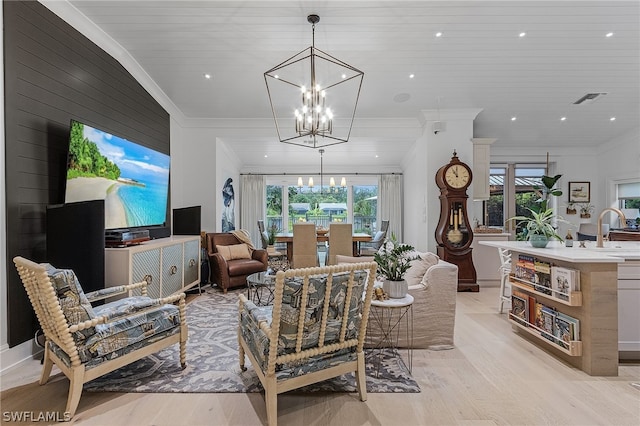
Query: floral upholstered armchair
[
  {"x": 314, "y": 331},
  {"x": 86, "y": 342}
]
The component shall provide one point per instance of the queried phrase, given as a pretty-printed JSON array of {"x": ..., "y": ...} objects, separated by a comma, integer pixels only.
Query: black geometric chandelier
[{"x": 313, "y": 97}]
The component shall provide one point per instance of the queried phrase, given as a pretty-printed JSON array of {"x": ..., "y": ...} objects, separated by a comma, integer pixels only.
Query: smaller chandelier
[
  {"x": 332, "y": 181},
  {"x": 313, "y": 80}
]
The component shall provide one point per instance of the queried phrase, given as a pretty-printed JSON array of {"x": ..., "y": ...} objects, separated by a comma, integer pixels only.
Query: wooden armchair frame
[
  {"x": 55, "y": 327},
  {"x": 272, "y": 385}
]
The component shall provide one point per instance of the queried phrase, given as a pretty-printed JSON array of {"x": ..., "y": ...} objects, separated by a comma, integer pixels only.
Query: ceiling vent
[{"x": 589, "y": 98}]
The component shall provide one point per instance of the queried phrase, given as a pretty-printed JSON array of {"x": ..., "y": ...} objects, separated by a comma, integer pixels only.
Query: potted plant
[
  {"x": 571, "y": 208},
  {"x": 272, "y": 230},
  {"x": 394, "y": 259},
  {"x": 539, "y": 227},
  {"x": 586, "y": 209}
]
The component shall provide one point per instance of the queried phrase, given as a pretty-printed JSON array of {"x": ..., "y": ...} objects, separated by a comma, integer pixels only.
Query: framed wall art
[{"x": 579, "y": 192}]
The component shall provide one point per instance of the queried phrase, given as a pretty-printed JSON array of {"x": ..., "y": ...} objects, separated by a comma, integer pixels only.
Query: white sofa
[{"x": 433, "y": 283}]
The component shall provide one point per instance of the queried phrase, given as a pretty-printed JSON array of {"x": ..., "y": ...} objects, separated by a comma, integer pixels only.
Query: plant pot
[
  {"x": 571, "y": 211},
  {"x": 538, "y": 241},
  {"x": 395, "y": 289},
  {"x": 271, "y": 249},
  {"x": 585, "y": 215}
]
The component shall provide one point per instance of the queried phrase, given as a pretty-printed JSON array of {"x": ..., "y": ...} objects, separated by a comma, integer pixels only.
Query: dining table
[{"x": 287, "y": 237}]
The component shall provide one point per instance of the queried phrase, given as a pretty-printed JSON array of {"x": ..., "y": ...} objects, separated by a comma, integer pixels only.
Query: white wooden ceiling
[{"x": 480, "y": 61}]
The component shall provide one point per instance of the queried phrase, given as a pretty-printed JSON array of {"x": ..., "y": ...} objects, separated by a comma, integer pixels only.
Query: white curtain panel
[
  {"x": 252, "y": 205},
  {"x": 390, "y": 204}
]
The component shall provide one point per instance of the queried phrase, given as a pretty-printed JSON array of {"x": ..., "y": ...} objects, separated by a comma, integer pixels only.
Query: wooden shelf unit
[
  {"x": 595, "y": 306},
  {"x": 575, "y": 346},
  {"x": 575, "y": 297}
]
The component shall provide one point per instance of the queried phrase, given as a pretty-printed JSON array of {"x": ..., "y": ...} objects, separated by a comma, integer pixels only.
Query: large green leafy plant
[
  {"x": 542, "y": 217},
  {"x": 393, "y": 259},
  {"x": 540, "y": 223}
]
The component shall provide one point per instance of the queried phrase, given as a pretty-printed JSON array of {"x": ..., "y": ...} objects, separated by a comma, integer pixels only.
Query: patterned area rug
[{"x": 212, "y": 361}]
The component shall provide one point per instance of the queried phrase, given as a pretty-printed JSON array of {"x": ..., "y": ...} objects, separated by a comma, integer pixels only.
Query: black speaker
[
  {"x": 75, "y": 240},
  {"x": 159, "y": 232},
  {"x": 186, "y": 220}
]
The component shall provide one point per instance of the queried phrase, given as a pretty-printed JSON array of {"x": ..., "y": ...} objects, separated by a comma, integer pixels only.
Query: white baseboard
[{"x": 13, "y": 357}]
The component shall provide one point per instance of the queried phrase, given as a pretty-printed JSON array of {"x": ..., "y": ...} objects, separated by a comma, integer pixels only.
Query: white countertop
[{"x": 613, "y": 252}]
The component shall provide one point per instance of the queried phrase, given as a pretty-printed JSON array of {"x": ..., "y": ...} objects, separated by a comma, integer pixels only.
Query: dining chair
[
  {"x": 340, "y": 241},
  {"x": 305, "y": 251},
  {"x": 370, "y": 248}
]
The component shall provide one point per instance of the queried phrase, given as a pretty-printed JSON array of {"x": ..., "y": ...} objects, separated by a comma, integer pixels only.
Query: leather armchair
[{"x": 232, "y": 273}]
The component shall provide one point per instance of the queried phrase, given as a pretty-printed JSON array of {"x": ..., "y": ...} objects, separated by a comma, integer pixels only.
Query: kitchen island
[{"x": 595, "y": 305}]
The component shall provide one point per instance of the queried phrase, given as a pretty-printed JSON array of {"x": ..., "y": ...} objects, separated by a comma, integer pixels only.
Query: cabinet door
[
  {"x": 171, "y": 269},
  {"x": 145, "y": 265},
  {"x": 191, "y": 262}
]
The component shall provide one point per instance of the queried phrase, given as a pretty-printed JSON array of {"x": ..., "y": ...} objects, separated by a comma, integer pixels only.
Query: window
[
  {"x": 356, "y": 204},
  {"x": 629, "y": 202},
  {"x": 511, "y": 192},
  {"x": 274, "y": 206},
  {"x": 365, "y": 208}
]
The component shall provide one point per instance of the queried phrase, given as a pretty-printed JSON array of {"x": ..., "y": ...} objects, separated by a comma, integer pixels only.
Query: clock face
[{"x": 457, "y": 176}]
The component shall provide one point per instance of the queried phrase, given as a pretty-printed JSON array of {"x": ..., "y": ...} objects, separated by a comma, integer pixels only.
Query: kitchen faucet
[{"x": 599, "y": 238}]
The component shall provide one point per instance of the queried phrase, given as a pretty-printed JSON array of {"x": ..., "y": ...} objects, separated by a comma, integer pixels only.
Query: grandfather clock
[{"x": 453, "y": 233}]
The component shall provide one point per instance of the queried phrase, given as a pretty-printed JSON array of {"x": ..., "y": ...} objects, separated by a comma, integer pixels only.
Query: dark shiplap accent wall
[{"x": 53, "y": 74}]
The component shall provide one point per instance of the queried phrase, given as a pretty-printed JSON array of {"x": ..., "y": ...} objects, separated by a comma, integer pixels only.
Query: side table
[
  {"x": 260, "y": 288},
  {"x": 388, "y": 315}
]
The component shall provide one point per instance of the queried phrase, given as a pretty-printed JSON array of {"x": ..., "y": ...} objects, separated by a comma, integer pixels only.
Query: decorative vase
[
  {"x": 538, "y": 241},
  {"x": 395, "y": 289}
]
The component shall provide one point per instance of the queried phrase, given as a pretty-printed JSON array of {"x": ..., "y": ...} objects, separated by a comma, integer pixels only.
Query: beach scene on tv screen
[{"x": 132, "y": 179}]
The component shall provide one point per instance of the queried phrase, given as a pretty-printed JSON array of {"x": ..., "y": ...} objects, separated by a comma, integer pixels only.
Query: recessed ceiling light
[
  {"x": 411, "y": 75},
  {"x": 377, "y": 156},
  {"x": 608, "y": 34},
  {"x": 276, "y": 76},
  {"x": 612, "y": 119},
  {"x": 513, "y": 118},
  {"x": 344, "y": 76},
  {"x": 563, "y": 118},
  {"x": 438, "y": 34},
  {"x": 522, "y": 34},
  {"x": 207, "y": 76},
  {"x": 265, "y": 156}
]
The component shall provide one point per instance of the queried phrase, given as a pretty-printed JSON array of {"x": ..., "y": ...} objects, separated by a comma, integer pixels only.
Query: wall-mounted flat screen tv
[{"x": 133, "y": 180}]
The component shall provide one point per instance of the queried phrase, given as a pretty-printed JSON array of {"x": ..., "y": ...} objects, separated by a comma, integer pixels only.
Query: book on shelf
[
  {"x": 563, "y": 330},
  {"x": 542, "y": 276},
  {"x": 531, "y": 306},
  {"x": 537, "y": 319},
  {"x": 520, "y": 306},
  {"x": 525, "y": 268},
  {"x": 574, "y": 325},
  {"x": 548, "y": 322},
  {"x": 564, "y": 281}
]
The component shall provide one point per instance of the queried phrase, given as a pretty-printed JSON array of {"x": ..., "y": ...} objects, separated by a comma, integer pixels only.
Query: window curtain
[
  {"x": 252, "y": 205},
  {"x": 390, "y": 203}
]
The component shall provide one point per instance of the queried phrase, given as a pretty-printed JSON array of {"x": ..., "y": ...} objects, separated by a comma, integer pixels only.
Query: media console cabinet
[
  {"x": 595, "y": 305},
  {"x": 169, "y": 265}
]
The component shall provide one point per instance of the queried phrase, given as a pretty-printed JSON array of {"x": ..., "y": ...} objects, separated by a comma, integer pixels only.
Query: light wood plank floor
[{"x": 492, "y": 377}]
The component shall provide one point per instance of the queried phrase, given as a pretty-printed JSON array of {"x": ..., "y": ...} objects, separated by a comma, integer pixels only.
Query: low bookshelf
[{"x": 593, "y": 306}]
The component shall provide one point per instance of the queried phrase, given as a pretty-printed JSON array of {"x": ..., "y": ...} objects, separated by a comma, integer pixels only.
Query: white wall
[
  {"x": 422, "y": 204},
  {"x": 227, "y": 166}
]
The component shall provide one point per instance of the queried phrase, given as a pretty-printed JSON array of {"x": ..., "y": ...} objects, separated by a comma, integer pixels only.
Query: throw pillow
[
  {"x": 74, "y": 303},
  {"x": 419, "y": 267},
  {"x": 236, "y": 251}
]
